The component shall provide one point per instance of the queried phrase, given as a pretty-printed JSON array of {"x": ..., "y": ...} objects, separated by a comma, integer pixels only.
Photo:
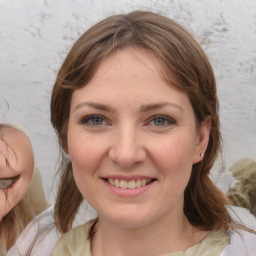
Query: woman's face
[
  {"x": 16, "y": 167},
  {"x": 132, "y": 140}
]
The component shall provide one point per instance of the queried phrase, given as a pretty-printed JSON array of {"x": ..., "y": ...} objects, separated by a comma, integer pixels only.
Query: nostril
[{"x": 127, "y": 156}]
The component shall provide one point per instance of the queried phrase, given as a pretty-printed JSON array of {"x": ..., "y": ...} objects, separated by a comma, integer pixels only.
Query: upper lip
[{"x": 127, "y": 178}]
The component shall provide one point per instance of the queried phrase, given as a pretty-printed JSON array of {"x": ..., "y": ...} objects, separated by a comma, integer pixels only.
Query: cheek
[
  {"x": 27, "y": 166},
  {"x": 4, "y": 204},
  {"x": 85, "y": 154},
  {"x": 85, "y": 160},
  {"x": 10, "y": 198},
  {"x": 179, "y": 150},
  {"x": 174, "y": 157}
]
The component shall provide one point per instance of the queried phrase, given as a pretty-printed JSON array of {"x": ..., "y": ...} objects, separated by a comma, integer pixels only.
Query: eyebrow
[
  {"x": 149, "y": 107},
  {"x": 143, "y": 108},
  {"x": 95, "y": 105}
]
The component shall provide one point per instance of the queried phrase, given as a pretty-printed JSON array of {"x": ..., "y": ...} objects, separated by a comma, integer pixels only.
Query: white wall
[{"x": 36, "y": 35}]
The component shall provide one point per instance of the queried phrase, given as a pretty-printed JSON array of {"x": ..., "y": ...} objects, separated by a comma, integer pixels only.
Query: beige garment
[
  {"x": 76, "y": 243},
  {"x": 243, "y": 194},
  {"x": 35, "y": 196}
]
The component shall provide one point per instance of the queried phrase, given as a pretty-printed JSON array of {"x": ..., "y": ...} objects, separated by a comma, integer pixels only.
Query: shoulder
[
  {"x": 75, "y": 242},
  {"x": 38, "y": 237},
  {"x": 242, "y": 216},
  {"x": 241, "y": 243}
]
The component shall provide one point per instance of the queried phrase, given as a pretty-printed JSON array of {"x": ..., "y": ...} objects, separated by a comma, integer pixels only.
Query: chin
[
  {"x": 128, "y": 222},
  {"x": 127, "y": 219}
]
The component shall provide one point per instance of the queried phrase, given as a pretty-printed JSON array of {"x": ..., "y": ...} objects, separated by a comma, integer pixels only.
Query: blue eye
[
  {"x": 93, "y": 120},
  {"x": 161, "y": 121}
]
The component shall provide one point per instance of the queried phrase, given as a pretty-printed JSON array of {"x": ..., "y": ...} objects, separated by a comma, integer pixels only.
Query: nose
[{"x": 127, "y": 149}]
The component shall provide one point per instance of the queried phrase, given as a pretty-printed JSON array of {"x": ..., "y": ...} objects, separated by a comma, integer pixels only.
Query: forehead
[
  {"x": 129, "y": 78},
  {"x": 125, "y": 59},
  {"x": 128, "y": 68}
]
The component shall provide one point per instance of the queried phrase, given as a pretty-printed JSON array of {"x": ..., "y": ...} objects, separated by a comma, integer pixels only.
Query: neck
[{"x": 154, "y": 239}]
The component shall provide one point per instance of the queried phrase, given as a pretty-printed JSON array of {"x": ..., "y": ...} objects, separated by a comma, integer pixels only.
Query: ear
[{"x": 202, "y": 139}]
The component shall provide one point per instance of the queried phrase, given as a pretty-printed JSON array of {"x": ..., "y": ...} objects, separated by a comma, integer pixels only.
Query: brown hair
[{"x": 183, "y": 59}]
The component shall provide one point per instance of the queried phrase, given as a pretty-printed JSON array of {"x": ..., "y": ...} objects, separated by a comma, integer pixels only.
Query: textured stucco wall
[{"x": 36, "y": 35}]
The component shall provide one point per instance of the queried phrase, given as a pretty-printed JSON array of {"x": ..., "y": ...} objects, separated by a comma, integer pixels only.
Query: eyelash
[
  {"x": 166, "y": 119},
  {"x": 87, "y": 119}
]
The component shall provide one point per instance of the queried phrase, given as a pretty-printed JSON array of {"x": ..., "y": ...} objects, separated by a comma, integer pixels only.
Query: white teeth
[
  {"x": 123, "y": 184},
  {"x": 132, "y": 184},
  {"x": 138, "y": 183},
  {"x": 116, "y": 183}
]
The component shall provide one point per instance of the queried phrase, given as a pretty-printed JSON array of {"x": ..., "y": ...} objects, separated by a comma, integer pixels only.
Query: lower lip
[{"x": 126, "y": 192}]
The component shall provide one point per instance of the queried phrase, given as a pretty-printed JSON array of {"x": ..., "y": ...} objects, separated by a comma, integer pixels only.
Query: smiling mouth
[
  {"x": 131, "y": 184},
  {"x": 6, "y": 183}
]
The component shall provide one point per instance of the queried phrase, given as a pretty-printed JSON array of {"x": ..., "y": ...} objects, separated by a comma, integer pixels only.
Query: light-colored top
[
  {"x": 76, "y": 243},
  {"x": 38, "y": 238},
  {"x": 242, "y": 243}
]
